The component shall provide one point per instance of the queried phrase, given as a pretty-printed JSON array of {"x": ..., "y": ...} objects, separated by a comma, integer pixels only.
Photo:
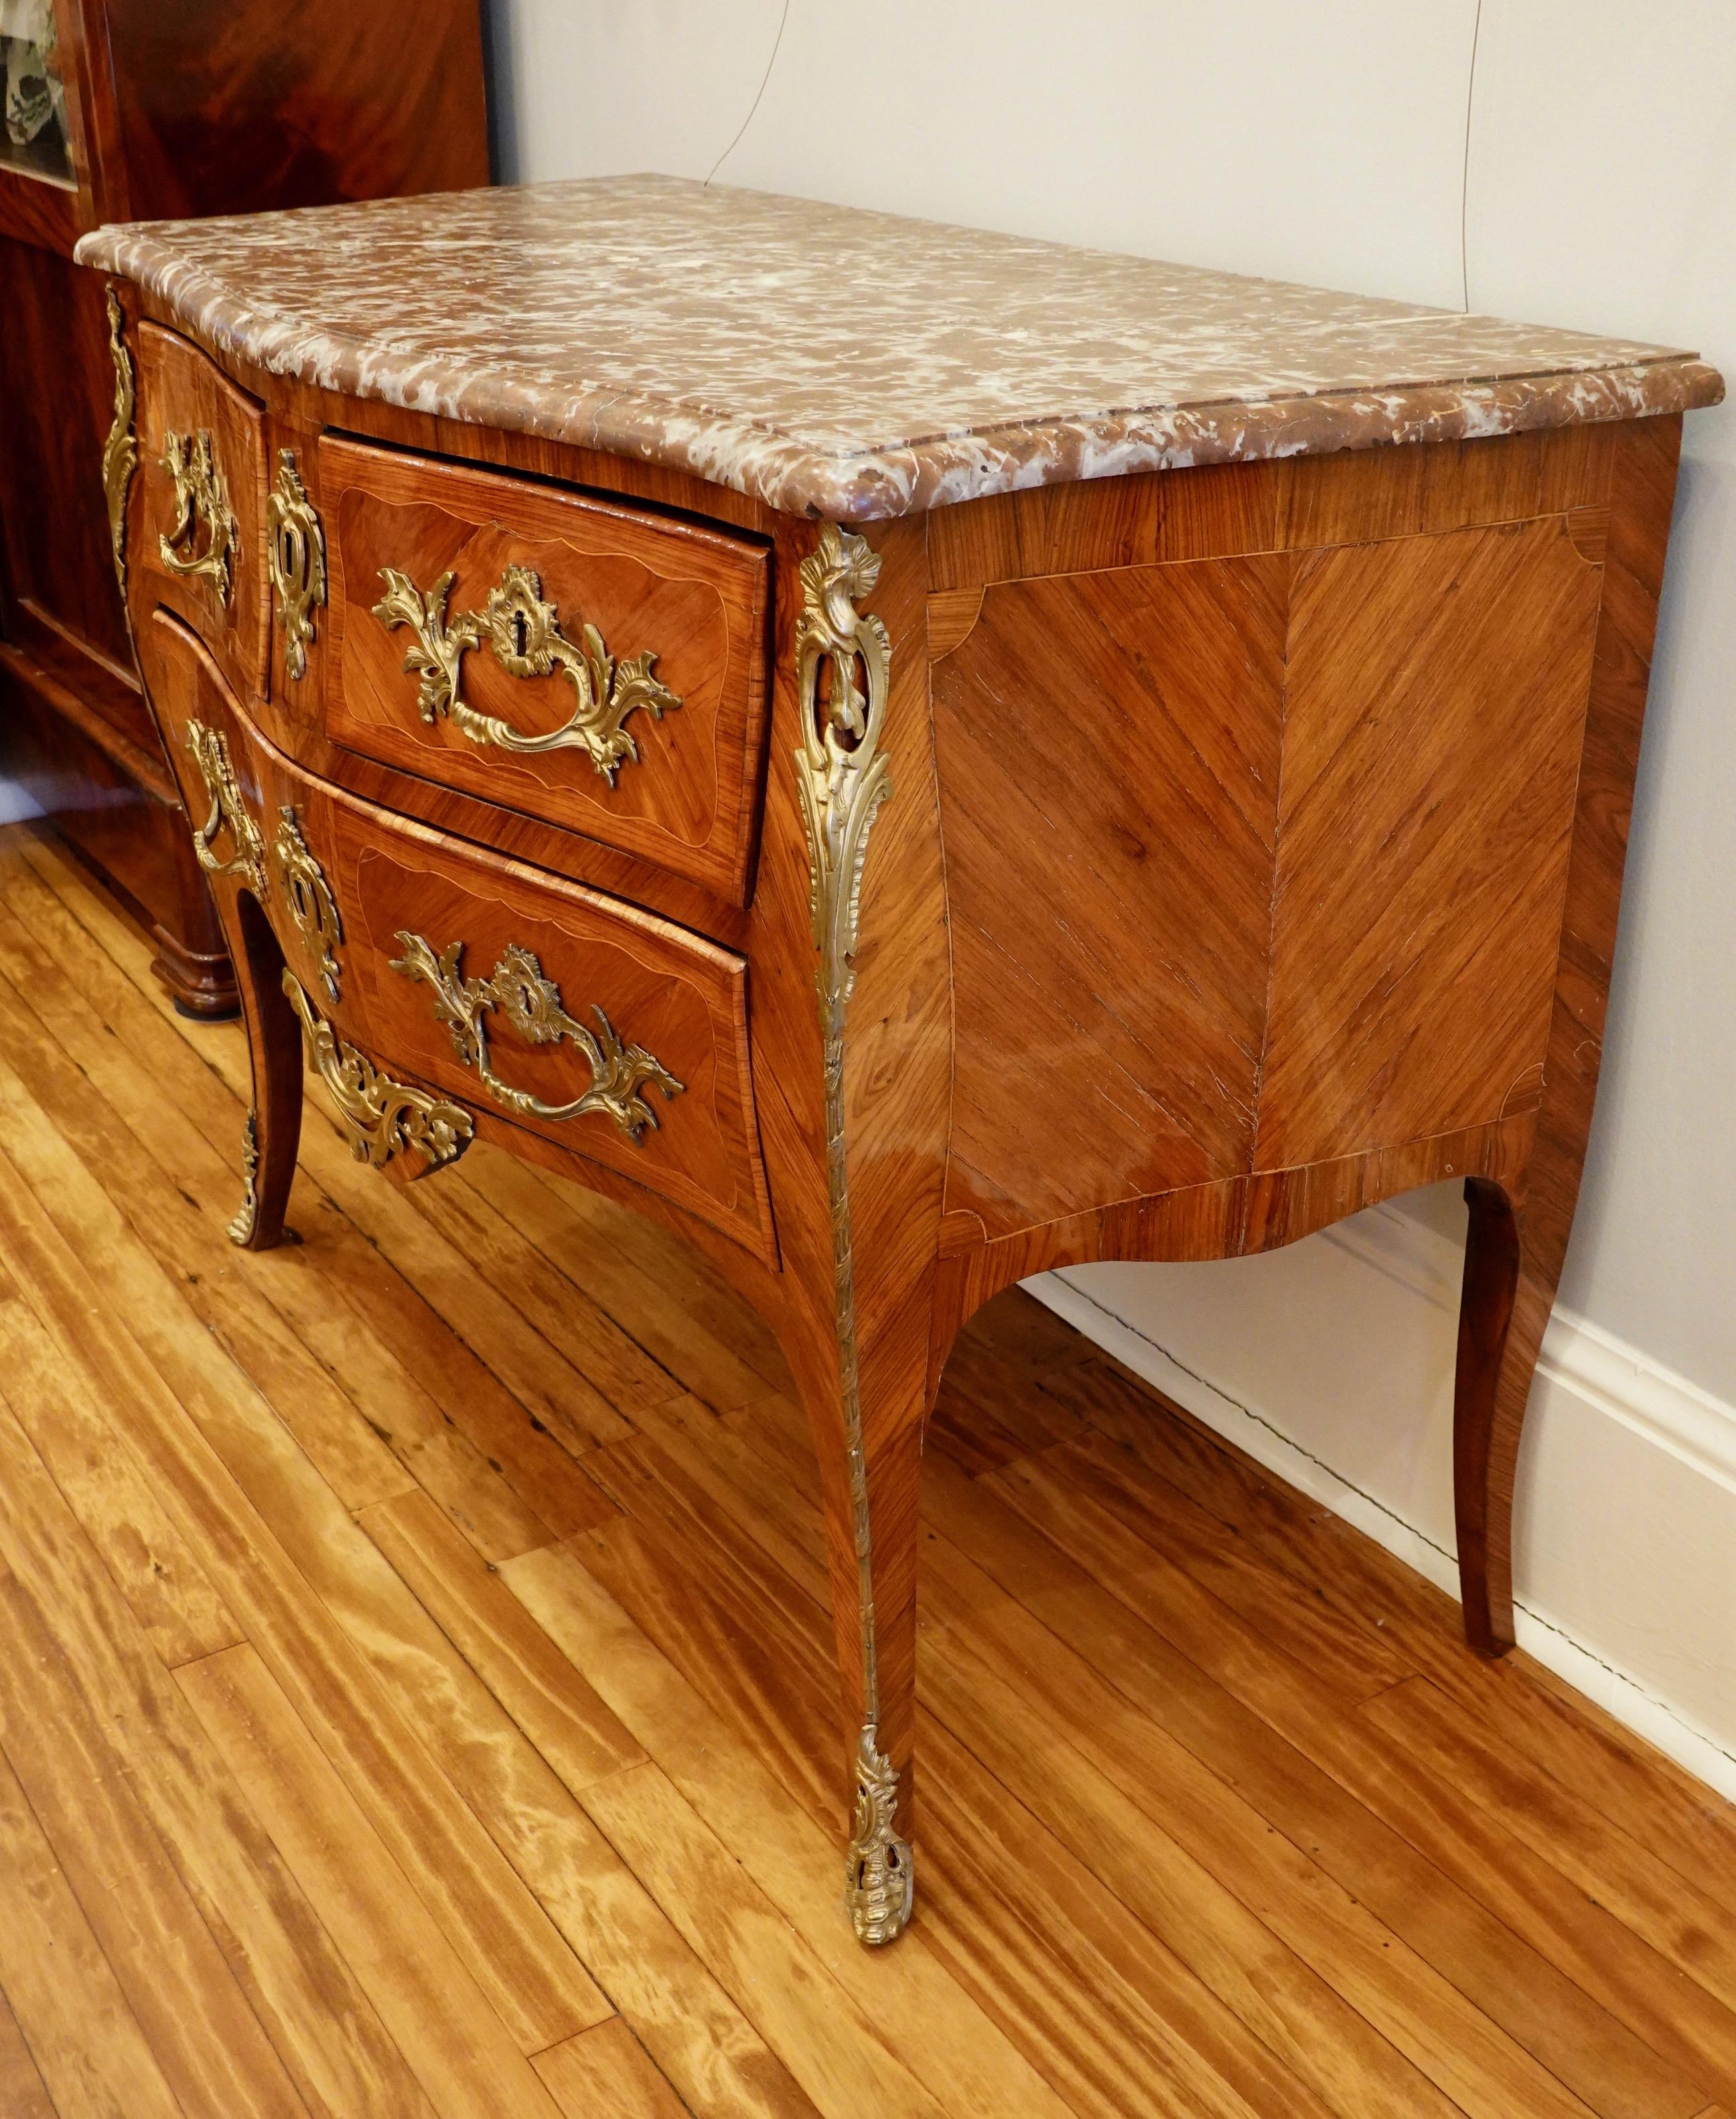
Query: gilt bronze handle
[
  {"x": 201, "y": 502},
  {"x": 530, "y": 1002},
  {"x": 209, "y": 747},
  {"x": 524, "y": 632}
]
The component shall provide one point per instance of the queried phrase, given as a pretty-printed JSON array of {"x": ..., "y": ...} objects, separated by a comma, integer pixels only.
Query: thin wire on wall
[
  {"x": 1464, "y": 178},
  {"x": 766, "y": 77}
]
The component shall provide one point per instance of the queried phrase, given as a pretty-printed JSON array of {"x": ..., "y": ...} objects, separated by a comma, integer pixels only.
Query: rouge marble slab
[{"x": 849, "y": 364}]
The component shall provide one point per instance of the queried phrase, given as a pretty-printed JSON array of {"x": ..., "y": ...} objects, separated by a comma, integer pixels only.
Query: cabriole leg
[
  {"x": 273, "y": 1131},
  {"x": 1503, "y": 1311},
  {"x": 1518, "y": 1239}
]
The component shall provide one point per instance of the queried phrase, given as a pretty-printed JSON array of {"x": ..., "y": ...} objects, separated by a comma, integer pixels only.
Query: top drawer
[
  {"x": 201, "y": 461},
  {"x": 599, "y": 669}
]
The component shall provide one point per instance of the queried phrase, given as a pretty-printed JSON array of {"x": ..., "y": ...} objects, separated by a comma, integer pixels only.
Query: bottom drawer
[{"x": 607, "y": 1031}]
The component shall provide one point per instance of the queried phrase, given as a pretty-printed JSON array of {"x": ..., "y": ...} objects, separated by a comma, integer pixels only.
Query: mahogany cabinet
[
  {"x": 149, "y": 110},
  {"x": 911, "y": 757}
]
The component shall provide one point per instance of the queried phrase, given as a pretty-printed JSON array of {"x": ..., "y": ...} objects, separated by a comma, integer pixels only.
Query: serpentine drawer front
[
  {"x": 1128, "y": 763},
  {"x": 202, "y": 539},
  {"x": 530, "y": 1000},
  {"x": 596, "y": 667}
]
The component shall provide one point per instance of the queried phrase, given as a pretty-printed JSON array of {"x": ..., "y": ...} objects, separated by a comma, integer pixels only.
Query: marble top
[{"x": 850, "y": 364}]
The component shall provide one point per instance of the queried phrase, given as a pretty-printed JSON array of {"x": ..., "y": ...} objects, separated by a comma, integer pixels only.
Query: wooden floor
[{"x": 416, "y": 1696}]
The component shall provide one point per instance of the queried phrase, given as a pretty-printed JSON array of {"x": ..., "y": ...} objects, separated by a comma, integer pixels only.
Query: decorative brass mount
[
  {"x": 209, "y": 747},
  {"x": 840, "y": 781},
  {"x": 880, "y": 1875},
  {"x": 524, "y": 632},
  {"x": 306, "y": 892},
  {"x": 382, "y": 1117},
  {"x": 309, "y": 896},
  {"x": 295, "y": 558},
  {"x": 530, "y": 1002},
  {"x": 120, "y": 451},
  {"x": 201, "y": 499},
  {"x": 247, "y": 1214}
]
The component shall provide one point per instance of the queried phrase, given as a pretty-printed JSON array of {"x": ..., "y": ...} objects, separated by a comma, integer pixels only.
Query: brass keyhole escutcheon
[{"x": 296, "y": 556}]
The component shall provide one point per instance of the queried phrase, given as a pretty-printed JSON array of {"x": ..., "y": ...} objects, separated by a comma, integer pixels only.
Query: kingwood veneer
[{"x": 1187, "y": 806}]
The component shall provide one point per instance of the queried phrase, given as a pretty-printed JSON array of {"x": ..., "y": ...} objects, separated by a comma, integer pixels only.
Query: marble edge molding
[{"x": 793, "y": 477}]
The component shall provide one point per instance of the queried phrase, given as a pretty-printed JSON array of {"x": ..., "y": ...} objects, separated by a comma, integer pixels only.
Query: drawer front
[
  {"x": 594, "y": 667},
  {"x": 607, "y": 1031},
  {"x": 201, "y": 542}
]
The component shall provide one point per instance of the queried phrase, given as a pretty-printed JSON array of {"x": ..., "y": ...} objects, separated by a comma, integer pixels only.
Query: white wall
[
  {"x": 1320, "y": 142},
  {"x": 1326, "y": 143}
]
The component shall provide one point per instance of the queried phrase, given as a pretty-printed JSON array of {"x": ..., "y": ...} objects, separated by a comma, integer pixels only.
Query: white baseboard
[{"x": 1621, "y": 1452}]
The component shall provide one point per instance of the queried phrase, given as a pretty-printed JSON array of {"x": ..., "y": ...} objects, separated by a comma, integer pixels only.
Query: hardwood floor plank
[
  {"x": 606, "y": 2070},
  {"x": 1687, "y": 1824},
  {"x": 986, "y": 1414},
  {"x": 1166, "y": 1989},
  {"x": 776, "y": 1433},
  {"x": 1419, "y": 2012},
  {"x": 696, "y": 2034},
  {"x": 211, "y": 1469},
  {"x": 557, "y": 1710},
  {"x": 827, "y": 2041},
  {"x": 690, "y": 1470},
  {"x": 765, "y": 1500},
  {"x": 915, "y": 2004},
  {"x": 467, "y": 2062},
  {"x": 309, "y": 1358},
  {"x": 1365, "y": 2021},
  {"x": 206, "y": 2038},
  {"x": 1194, "y": 1686},
  {"x": 23, "y": 2092},
  {"x": 1127, "y": 2026},
  {"x": 188, "y": 1241},
  {"x": 598, "y": 1637},
  {"x": 1428, "y": 1819},
  {"x": 544, "y": 1381},
  {"x": 681, "y": 1276},
  {"x": 556, "y": 1308},
  {"x": 745, "y": 1659},
  {"x": 761, "y": 1666},
  {"x": 1299, "y": 1621},
  {"x": 590, "y": 1254},
  {"x": 106, "y": 1489},
  {"x": 1527, "y": 1707},
  {"x": 673, "y": 1517},
  {"x": 1196, "y": 1719},
  {"x": 1611, "y": 1866},
  {"x": 349, "y": 1273},
  {"x": 688, "y": 1582},
  {"x": 342, "y": 2064},
  {"x": 84, "y": 2039}
]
